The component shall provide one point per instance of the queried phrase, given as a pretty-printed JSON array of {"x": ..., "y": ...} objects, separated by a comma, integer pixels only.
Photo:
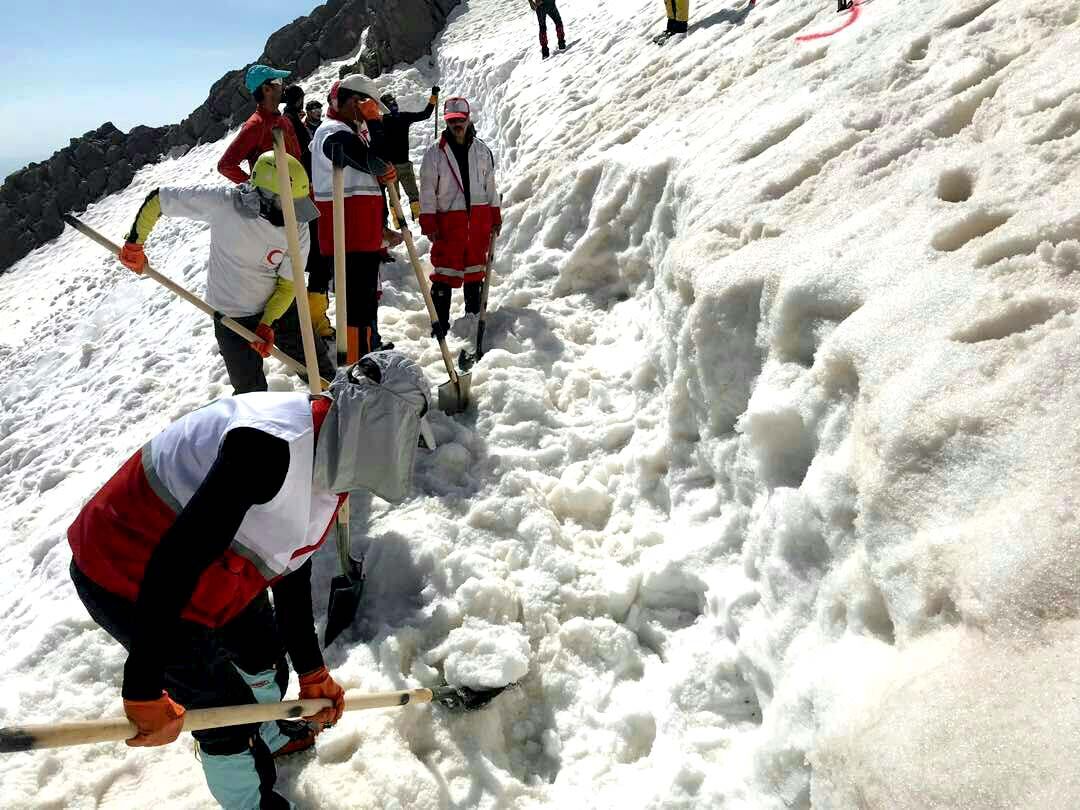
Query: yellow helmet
[{"x": 264, "y": 175}]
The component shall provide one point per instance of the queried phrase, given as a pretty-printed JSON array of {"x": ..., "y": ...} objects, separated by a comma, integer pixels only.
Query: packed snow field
[{"x": 767, "y": 499}]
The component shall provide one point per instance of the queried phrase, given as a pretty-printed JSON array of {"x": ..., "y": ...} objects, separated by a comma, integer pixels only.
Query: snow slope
[{"x": 771, "y": 473}]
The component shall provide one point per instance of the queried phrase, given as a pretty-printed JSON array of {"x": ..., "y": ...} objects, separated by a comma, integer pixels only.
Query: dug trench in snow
[{"x": 768, "y": 496}]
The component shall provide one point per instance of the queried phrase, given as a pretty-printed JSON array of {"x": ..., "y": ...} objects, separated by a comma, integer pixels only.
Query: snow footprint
[{"x": 974, "y": 225}]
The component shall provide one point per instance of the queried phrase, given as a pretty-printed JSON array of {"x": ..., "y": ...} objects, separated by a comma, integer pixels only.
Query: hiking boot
[{"x": 544, "y": 53}]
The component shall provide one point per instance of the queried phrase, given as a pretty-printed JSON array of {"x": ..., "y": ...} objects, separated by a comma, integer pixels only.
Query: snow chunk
[
  {"x": 581, "y": 498},
  {"x": 480, "y": 655}
]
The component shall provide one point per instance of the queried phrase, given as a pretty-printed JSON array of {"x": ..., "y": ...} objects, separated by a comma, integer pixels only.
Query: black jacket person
[{"x": 396, "y": 133}]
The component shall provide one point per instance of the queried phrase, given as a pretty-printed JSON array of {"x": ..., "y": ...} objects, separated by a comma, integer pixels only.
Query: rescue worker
[
  {"x": 459, "y": 211},
  {"x": 174, "y": 556},
  {"x": 256, "y": 135},
  {"x": 352, "y": 131},
  {"x": 396, "y": 128},
  {"x": 249, "y": 275}
]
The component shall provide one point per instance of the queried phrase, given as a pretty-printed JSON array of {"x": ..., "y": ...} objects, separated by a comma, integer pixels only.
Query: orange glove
[
  {"x": 391, "y": 238},
  {"x": 264, "y": 345},
  {"x": 390, "y": 177},
  {"x": 159, "y": 721},
  {"x": 319, "y": 684},
  {"x": 132, "y": 257},
  {"x": 370, "y": 110}
]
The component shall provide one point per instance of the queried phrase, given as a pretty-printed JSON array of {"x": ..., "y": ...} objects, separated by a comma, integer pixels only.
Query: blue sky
[{"x": 71, "y": 65}]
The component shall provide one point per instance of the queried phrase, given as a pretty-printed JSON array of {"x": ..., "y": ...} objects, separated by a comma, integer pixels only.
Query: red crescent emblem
[{"x": 275, "y": 256}]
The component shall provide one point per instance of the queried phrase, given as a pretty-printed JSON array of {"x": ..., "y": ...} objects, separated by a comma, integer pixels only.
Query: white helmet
[{"x": 359, "y": 83}]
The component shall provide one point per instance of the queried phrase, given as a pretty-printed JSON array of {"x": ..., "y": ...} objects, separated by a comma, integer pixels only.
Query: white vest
[
  {"x": 322, "y": 168},
  {"x": 271, "y": 533}
]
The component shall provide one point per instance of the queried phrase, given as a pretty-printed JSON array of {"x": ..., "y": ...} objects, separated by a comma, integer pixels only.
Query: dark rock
[
  {"x": 88, "y": 157},
  {"x": 31, "y": 204},
  {"x": 120, "y": 176},
  {"x": 47, "y": 228},
  {"x": 115, "y": 154},
  {"x": 214, "y": 132},
  {"x": 309, "y": 61},
  {"x": 98, "y": 180}
]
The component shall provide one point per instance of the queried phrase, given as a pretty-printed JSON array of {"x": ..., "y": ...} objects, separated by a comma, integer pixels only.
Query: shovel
[
  {"x": 58, "y": 735},
  {"x": 346, "y": 588},
  {"x": 465, "y": 360},
  {"x": 453, "y": 394}
]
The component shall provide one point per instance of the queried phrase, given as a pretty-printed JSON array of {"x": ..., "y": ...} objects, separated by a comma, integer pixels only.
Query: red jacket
[{"x": 255, "y": 137}]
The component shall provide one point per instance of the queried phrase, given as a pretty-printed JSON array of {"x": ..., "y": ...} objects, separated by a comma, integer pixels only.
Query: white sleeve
[
  {"x": 203, "y": 203},
  {"x": 428, "y": 175},
  {"x": 494, "y": 198}
]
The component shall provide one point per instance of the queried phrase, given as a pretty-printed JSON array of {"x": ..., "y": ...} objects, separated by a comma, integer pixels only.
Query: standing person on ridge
[
  {"x": 249, "y": 275},
  {"x": 174, "y": 555},
  {"x": 353, "y": 129},
  {"x": 396, "y": 127},
  {"x": 459, "y": 211},
  {"x": 678, "y": 12},
  {"x": 545, "y": 9},
  {"x": 256, "y": 135}
]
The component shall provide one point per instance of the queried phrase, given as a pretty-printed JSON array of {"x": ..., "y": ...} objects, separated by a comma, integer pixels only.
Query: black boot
[
  {"x": 544, "y": 52},
  {"x": 440, "y": 297}
]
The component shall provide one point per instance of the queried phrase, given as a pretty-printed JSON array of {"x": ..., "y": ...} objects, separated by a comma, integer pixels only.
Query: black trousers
[
  {"x": 288, "y": 338},
  {"x": 200, "y": 672},
  {"x": 544, "y": 9},
  {"x": 243, "y": 363},
  {"x": 320, "y": 269}
]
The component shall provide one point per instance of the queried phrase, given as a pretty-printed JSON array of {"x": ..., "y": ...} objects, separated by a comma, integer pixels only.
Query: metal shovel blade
[
  {"x": 463, "y": 699},
  {"x": 454, "y": 397},
  {"x": 345, "y": 594}
]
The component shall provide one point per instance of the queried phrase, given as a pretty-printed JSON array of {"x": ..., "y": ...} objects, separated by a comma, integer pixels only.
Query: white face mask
[{"x": 369, "y": 438}]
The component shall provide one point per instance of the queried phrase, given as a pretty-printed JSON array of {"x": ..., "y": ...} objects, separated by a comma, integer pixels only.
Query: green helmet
[{"x": 264, "y": 175}]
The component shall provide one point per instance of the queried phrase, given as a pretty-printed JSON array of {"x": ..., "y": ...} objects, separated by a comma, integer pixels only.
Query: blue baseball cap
[{"x": 257, "y": 74}]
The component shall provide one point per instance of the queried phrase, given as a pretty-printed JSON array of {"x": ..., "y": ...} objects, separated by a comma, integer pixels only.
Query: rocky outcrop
[{"x": 104, "y": 160}]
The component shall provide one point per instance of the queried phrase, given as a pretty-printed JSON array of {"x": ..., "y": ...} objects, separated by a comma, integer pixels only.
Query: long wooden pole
[
  {"x": 191, "y": 298},
  {"x": 303, "y": 308},
  {"x": 414, "y": 257},
  {"x": 341, "y": 322},
  {"x": 57, "y": 735}
]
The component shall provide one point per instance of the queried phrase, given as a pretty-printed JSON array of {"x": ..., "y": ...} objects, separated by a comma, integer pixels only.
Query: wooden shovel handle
[
  {"x": 58, "y": 735},
  {"x": 191, "y": 298},
  {"x": 421, "y": 279},
  {"x": 292, "y": 238}
]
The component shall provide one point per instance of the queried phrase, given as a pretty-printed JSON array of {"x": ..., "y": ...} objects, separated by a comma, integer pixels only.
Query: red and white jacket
[
  {"x": 116, "y": 533},
  {"x": 363, "y": 196},
  {"x": 460, "y": 234}
]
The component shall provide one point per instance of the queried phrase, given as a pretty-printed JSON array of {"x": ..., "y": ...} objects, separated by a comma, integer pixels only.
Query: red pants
[{"x": 459, "y": 251}]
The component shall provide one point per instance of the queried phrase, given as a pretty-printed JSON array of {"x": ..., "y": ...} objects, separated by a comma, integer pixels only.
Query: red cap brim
[{"x": 455, "y": 117}]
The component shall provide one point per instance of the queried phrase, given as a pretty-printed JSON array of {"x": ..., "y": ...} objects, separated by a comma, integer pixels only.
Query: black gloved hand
[
  {"x": 435, "y": 90},
  {"x": 439, "y": 330}
]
